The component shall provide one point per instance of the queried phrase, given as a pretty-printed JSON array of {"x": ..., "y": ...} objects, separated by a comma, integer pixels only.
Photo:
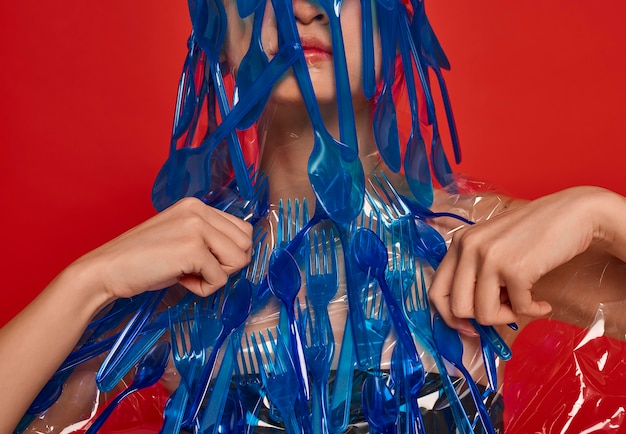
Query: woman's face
[{"x": 313, "y": 26}]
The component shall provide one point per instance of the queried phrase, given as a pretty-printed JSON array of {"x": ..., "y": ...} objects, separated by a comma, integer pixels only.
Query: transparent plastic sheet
[
  {"x": 470, "y": 199},
  {"x": 567, "y": 373},
  {"x": 563, "y": 378}
]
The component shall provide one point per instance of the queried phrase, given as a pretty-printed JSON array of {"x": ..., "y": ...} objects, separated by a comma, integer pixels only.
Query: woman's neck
[{"x": 287, "y": 139}]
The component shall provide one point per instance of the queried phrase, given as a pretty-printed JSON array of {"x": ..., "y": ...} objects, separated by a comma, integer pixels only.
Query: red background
[{"x": 87, "y": 92}]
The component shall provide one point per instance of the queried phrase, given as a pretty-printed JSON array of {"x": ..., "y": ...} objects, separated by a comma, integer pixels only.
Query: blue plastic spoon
[
  {"x": 416, "y": 167},
  {"x": 385, "y": 119},
  {"x": 251, "y": 66},
  {"x": 209, "y": 24},
  {"x": 285, "y": 281},
  {"x": 379, "y": 405},
  {"x": 347, "y": 126},
  {"x": 370, "y": 255},
  {"x": 450, "y": 346},
  {"x": 409, "y": 377},
  {"x": 435, "y": 59},
  {"x": 335, "y": 172},
  {"x": 149, "y": 369}
]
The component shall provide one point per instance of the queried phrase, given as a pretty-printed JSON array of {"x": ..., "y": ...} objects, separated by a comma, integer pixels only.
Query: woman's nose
[{"x": 306, "y": 12}]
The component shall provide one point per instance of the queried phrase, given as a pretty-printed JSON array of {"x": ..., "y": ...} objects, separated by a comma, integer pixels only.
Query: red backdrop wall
[{"x": 87, "y": 92}]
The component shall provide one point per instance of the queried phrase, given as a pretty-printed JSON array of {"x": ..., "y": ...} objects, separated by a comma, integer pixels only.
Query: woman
[{"x": 199, "y": 246}]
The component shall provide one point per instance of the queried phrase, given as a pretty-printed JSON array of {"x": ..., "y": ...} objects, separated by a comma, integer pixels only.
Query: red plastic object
[
  {"x": 140, "y": 413},
  {"x": 562, "y": 379}
]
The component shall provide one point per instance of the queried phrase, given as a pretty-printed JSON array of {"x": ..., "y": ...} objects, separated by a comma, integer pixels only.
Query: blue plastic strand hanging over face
[{"x": 334, "y": 169}]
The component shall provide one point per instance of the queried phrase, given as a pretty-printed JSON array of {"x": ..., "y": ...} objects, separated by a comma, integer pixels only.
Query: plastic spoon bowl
[
  {"x": 379, "y": 405},
  {"x": 251, "y": 66},
  {"x": 284, "y": 281},
  {"x": 370, "y": 255},
  {"x": 149, "y": 369}
]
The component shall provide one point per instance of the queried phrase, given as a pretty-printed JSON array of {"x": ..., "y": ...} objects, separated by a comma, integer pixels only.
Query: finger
[
  {"x": 239, "y": 231},
  {"x": 489, "y": 306},
  {"x": 523, "y": 303},
  {"x": 207, "y": 276},
  {"x": 439, "y": 294},
  {"x": 462, "y": 293},
  {"x": 227, "y": 251}
]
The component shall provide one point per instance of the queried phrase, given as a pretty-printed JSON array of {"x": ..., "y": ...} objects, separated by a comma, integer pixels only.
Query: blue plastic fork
[
  {"x": 319, "y": 349},
  {"x": 418, "y": 315},
  {"x": 278, "y": 375},
  {"x": 247, "y": 380},
  {"x": 234, "y": 312},
  {"x": 251, "y": 276},
  {"x": 427, "y": 242},
  {"x": 189, "y": 355}
]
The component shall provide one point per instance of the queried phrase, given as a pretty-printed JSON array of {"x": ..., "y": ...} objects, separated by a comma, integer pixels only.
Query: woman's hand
[
  {"x": 491, "y": 267},
  {"x": 189, "y": 242}
]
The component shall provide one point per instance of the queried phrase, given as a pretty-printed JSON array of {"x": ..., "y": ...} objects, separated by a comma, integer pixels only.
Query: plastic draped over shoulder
[
  {"x": 331, "y": 317},
  {"x": 562, "y": 378}
]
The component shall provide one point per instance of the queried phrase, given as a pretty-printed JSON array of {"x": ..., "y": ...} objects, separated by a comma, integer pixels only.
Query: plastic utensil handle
[
  {"x": 340, "y": 402},
  {"x": 217, "y": 399},
  {"x": 97, "y": 424},
  {"x": 458, "y": 411},
  {"x": 493, "y": 339},
  {"x": 489, "y": 360},
  {"x": 129, "y": 359},
  {"x": 234, "y": 147},
  {"x": 175, "y": 410},
  {"x": 282, "y": 61},
  {"x": 128, "y": 335},
  {"x": 399, "y": 323},
  {"x": 483, "y": 414},
  {"x": 205, "y": 378}
]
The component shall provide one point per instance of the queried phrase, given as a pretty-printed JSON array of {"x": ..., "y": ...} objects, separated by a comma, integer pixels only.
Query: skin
[{"x": 523, "y": 247}]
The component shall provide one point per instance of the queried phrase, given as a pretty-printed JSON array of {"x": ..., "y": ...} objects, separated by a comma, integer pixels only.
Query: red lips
[{"x": 315, "y": 49}]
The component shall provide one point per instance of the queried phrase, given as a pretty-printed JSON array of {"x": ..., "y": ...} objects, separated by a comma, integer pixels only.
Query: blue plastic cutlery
[
  {"x": 451, "y": 348},
  {"x": 234, "y": 312},
  {"x": 379, "y": 405},
  {"x": 385, "y": 120},
  {"x": 347, "y": 127},
  {"x": 416, "y": 166},
  {"x": 149, "y": 370},
  {"x": 284, "y": 282},
  {"x": 408, "y": 379},
  {"x": 209, "y": 23},
  {"x": 250, "y": 68},
  {"x": 370, "y": 254}
]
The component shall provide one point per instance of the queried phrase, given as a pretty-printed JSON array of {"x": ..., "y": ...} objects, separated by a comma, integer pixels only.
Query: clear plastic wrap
[{"x": 207, "y": 160}]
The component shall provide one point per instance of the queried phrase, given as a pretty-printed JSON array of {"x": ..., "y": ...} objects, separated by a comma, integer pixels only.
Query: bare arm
[{"x": 188, "y": 243}]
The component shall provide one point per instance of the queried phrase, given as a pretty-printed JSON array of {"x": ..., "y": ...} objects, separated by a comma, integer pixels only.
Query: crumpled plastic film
[{"x": 582, "y": 356}]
